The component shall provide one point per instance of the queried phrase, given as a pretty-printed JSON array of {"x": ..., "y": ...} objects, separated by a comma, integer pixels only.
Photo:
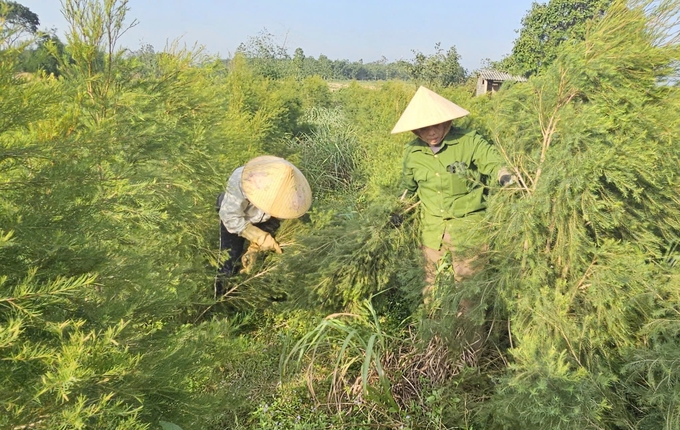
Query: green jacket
[{"x": 450, "y": 183}]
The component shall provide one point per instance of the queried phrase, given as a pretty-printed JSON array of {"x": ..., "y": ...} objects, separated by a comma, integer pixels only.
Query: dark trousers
[{"x": 232, "y": 245}]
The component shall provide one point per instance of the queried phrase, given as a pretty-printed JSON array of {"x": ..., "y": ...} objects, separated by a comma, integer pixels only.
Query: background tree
[
  {"x": 266, "y": 55},
  {"x": 44, "y": 56},
  {"x": 439, "y": 69},
  {"x": 325, "y": 67},
  {"x": 298, "y": 63},
  {"x": 95, "y": 27},
  {"x": 16, "y": 21},
  {"x": 547, "y": 26}
]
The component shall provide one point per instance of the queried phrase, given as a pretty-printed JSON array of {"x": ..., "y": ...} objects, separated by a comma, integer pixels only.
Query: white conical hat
[
  {"x": 427, "y": 108},
  {"x": 276, "y": 186}
]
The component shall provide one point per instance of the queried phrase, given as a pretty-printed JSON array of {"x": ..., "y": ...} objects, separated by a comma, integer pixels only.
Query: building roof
[{"x": 495, "y": 75}]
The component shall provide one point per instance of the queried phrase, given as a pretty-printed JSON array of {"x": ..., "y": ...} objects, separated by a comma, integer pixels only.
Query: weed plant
[{"x": 329, "y": 154}]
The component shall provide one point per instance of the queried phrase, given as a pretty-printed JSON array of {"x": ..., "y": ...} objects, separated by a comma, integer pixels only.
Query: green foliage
[
  {"x": 290, "y": 412},
  {"x": 109, "y": 177},
  {"x": 356, "y": 343},
  {"x": 108, "y": 243},
  {"x": 272, "y": 60},
  {"x": 315, "y": 93},
  {"x": 18, "y": 14},
  {"x": 67, "y": 389},
  {"x": 438, "y": 69},
  {"x": 651, "y": 373},
  {"x": 329, "y": 153},
  {"x": 266, "y": 56},
  {"x": 374, "y": 111},
  {"x": 95, "y": 26},
  {"x": 581, "y": 243},
  {"x": 42, "y": 57},
  {"x": 16, "y": 20},
  {"x": 346, "y": 258},
  {"x": 546, "y": 27}
]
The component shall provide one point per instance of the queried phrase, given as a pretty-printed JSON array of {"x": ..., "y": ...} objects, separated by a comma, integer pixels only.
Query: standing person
[
  {"x": 258, "y": 195},
  {"x": 446, "y": 168}
]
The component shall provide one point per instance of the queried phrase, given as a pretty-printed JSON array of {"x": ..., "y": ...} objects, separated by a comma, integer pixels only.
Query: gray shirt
[{"x": 236, "y": 211}]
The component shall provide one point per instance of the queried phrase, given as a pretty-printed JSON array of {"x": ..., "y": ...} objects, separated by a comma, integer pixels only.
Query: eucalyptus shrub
[
  {"x": 581, "y": 244},
  {"x": 109, "y": 179}
]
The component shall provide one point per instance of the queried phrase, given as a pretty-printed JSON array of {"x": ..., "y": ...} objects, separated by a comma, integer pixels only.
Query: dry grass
[
  {"x": 336, "y": 85},
  {"x": 415, "y": 368}
]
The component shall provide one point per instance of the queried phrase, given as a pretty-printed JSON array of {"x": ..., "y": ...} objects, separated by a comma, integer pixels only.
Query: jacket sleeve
[
  {"x": 487, "y": 158},
  {"x": 234, "y": 204},
  {"x": 408, "y": 183}
]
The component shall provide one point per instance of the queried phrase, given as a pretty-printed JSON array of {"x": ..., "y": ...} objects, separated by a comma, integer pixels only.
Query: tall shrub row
[{"x": 109, "y": 176}]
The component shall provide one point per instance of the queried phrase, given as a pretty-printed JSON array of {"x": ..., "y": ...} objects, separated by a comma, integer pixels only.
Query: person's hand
[
  {"x": 260, "y": 241},
  {"x": 264, "y": 240},
  {"x": 249, "y": 258},
  {"x": 506, "y": 180},
  {"x": 505, "y": 177},
  {"x": 396, "y": 219},
  {"x": 268, "y": 243}
]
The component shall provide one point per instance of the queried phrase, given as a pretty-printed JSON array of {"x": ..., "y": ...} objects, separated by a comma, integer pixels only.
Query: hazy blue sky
[{"x": 349, "y": 29}]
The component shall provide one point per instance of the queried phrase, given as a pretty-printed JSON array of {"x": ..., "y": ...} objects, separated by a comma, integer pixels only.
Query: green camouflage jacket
[{"x": 450, "y": 183}]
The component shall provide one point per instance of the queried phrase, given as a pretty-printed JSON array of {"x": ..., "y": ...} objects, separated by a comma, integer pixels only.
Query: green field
[{"x": 109, "y": 172}]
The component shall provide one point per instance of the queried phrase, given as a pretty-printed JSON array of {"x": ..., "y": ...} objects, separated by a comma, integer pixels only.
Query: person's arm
[
  {"x": 233, "y": 216},
  {"x": 408, "y": 184},
  {"x": 234, "y": 204},
  {"x": 407, "y": 188},
  {"x": 489, "y": 161}
]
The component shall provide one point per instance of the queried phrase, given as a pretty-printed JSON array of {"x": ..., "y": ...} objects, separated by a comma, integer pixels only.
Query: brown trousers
[
  {"x": 465, "y": 266},
  {"x": 461, "y": 238}
]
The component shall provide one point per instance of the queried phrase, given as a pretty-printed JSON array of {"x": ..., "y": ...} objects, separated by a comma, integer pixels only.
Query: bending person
[{"x": 258, "y": 195}]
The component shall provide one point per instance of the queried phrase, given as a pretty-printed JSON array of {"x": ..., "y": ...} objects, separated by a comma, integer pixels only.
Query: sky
[{"x": 341, "y": 30}]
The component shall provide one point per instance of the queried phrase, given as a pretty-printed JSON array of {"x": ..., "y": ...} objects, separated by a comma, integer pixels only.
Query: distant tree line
[
  {"x": 41, "y": 52},
  {"x": 545, "y": 27},
  {"x": 274, "y": 61}
]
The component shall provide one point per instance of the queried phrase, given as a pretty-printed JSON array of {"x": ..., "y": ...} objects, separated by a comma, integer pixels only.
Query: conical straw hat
[
  {"x": 276, "y": 186},
  {"x": 427, "y": 108}
]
